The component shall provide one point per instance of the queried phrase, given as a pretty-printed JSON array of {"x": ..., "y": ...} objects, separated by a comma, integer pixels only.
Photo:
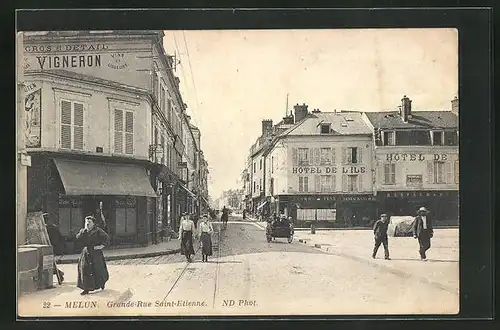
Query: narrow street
[{"x": 248, "y": 276}]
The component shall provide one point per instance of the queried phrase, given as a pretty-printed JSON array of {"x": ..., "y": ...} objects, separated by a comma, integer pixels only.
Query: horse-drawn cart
[{"x": 279, "y": 230}]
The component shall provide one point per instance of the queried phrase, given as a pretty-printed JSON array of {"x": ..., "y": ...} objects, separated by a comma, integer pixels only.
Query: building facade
[
  {"x": 104, "y": 127},
  {"x": 417, "y": 161},
  {"x": 320, "y": 170}
]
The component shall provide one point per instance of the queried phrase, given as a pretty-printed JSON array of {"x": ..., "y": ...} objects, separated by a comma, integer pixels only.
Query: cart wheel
[
  {"x": 268, "y": 238},
  {"x": 290, "y": 239}
]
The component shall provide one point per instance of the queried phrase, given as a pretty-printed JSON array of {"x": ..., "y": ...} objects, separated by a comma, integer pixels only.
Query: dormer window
[
  {"x": 437, "y": 138},
  {"x": 389, "y": 138},
  {"x": 325, "y": 128}
]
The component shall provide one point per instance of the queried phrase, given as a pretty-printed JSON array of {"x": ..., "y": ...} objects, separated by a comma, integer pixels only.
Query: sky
[{"x": 233, "y": 79}]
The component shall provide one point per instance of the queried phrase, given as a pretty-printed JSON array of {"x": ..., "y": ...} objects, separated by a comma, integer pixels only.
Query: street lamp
[{"x": 313, "y": 227}]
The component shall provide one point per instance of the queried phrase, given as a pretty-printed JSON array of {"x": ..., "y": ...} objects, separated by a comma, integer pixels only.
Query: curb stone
[{"x": 127, "y": 256}]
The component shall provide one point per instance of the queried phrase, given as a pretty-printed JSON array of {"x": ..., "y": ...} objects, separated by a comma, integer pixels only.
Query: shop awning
[
  {"x": 261, "y": 205},
  {"x": 93, "y": 178},
  {"x": 188, "y": 191}
]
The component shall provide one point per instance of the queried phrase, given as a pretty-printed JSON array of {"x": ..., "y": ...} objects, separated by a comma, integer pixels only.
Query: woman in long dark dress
[
  {"x": 206, "y": 231},
  {"x": 92, "y": 270},
  {"x": 186, "y": 230}
]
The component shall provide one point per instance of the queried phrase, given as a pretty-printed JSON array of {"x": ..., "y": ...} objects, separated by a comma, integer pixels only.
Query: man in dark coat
[
  {"x": 380, "y": 232},
  {"x": 57, "y": 242},
  {"x": 422, "y": 229}
]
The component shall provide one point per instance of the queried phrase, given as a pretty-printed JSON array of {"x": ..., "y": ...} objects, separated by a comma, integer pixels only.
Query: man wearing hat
[
  {"x": 380, "y": 232},
  {"x": 422, "y": 229}
]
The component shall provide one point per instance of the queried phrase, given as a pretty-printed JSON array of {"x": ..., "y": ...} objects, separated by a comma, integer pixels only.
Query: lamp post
[{"x": 313, "y": 226}]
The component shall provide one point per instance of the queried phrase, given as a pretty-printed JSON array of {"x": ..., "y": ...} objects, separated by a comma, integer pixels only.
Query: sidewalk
[
  {"x": 441, "y": 268},
  {"x": 168, "y": 247}
]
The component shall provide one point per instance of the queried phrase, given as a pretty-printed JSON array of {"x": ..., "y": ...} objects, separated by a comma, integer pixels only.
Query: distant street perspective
[{"x": 330, "y": 272}]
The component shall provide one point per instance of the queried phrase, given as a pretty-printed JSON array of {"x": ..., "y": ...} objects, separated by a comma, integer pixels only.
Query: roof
[
  {"x": 342, "y": 123},
  {"x": 419, "y": 119}
]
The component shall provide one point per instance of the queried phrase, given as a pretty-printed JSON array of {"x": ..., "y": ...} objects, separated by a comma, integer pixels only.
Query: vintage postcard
[{"x": 237, "y": 172}]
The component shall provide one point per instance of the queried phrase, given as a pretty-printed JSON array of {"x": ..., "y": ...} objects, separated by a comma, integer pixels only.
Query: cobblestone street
[{"x": 248, "y": 276}]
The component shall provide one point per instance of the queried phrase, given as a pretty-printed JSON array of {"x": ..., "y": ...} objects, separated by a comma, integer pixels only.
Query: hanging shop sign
[{"x": 33, "y": 113}]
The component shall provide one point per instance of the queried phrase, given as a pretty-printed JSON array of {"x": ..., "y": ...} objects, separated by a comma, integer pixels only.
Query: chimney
[
  {"x": 300, "y": 112},
  {"x": 454, "y": 105},
  {"x": 405, "y": 109},
  {"x": 267, "y": 126}
]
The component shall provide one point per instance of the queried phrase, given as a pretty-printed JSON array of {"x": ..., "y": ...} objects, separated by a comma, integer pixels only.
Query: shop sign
[
  {"x": 349, "y": 198},
  {"x": 33, "y": 112},
  {"x": 328, "y": 170},
  {"x": 70, "y": 201},
  {"x": 318, "y": 198},
  {"x": 414, "y": 157},
  {"x": 403, "y": 194},
  {"x": 48, "y": 262}
]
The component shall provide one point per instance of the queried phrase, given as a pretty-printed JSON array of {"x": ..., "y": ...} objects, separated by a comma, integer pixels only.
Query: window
[
  {"x": 260, "y": 166},
  {"x": 71, "y": 125},
  {"x": 260, "y": 185},
  {"x": 389, "y": 173},
  {"x": 325, "y": 183},
  {"x": 254, "y": 167},
  {"x": 352, "y": 183},
  {"x": 155, "y": 86},
  {"x": 70, "y": 215},
  {"x": 414, "y": 180},
  {"x": 325, "y": 128},
  {"x": 455, "y": 170},
  {"x": 126, "y": 216},
  {"x": 303, "y": 156},
  {"x": 325, "y": 156},
  {"x": 161, "y": 101},
  {"x": 352, "y": 155},
  {"x": 303, "y": 184},
  {"x": 124, "y": 132},
  {"x": 163, "y": 151},
  {"x": 439, "y": 172},
  {"x": 451, "y": 138},
  {"x": 438, "y": 138},
  {"x": 272, "y": 164},
  {"x": 414, "y": 138},
  {"x": 389, "y": 138},
  {"x": 254, "y": 186},
  {"x": 169, "y": 110}
]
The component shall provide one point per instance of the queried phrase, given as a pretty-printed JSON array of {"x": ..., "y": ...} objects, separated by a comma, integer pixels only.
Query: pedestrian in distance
[
  {"x": 206, "y": 231},
  {"x": 92, "y": 270},
  {"x": 380, "y": 233},
  {"x": 423, "y": 231},
  {"x": 186, "y": 230}
]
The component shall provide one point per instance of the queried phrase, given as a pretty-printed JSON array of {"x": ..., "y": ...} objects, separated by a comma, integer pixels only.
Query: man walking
[
  {"x": 422, "y": 229},
  {"x": 380, "y": 232}
]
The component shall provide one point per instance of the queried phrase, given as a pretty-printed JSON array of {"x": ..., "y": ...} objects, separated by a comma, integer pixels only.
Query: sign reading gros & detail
[
  {"x": 84, "y": 55},
  {"x": 414, "y": 157},
  {"x": 328, "y": 170}
]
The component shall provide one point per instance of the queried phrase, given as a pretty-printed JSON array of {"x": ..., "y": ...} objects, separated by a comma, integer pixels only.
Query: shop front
[
  {"x": 337, "y": 210},
  {"x": 70, "y": 189},
  {"x": 443, "y": 205}
]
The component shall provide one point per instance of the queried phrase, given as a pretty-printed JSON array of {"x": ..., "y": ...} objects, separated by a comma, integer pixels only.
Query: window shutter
[
  {"x": 66, "y": 124},
  {"x": 317, "y": 157},
  {"x": 78, "y": 126},
  {"x": 118, "y": 131},
  {"x": 310, "y": 161},
  {"x": 360, "y": 182},
  {"x": 449, "y": 173},
  {"x": 317, "y": 183},
  {"x": 129, "y": 132},
  {"x": 306, "y": 184},
  {"x": 344, "y": 155},
  {"x": 456, "y": 170},
  {"x": 360, "y": 155},
  {"x": 334, "y": 183},
  {"x": 344, "y": 182},
  {"x": 294, "y": 157},
  {"x": 333, "y": 156},
  {"x": 430, "y": 171}
]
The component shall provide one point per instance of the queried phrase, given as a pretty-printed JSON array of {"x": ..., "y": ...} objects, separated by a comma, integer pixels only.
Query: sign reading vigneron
[{"x": 131, "y": 59}]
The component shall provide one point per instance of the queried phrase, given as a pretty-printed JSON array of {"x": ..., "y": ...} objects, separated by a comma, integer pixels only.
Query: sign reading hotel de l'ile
[{"x": 328, "y": 169}]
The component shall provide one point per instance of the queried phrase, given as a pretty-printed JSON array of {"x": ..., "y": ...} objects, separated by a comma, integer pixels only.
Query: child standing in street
[{"x": 380, "y": 232}]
